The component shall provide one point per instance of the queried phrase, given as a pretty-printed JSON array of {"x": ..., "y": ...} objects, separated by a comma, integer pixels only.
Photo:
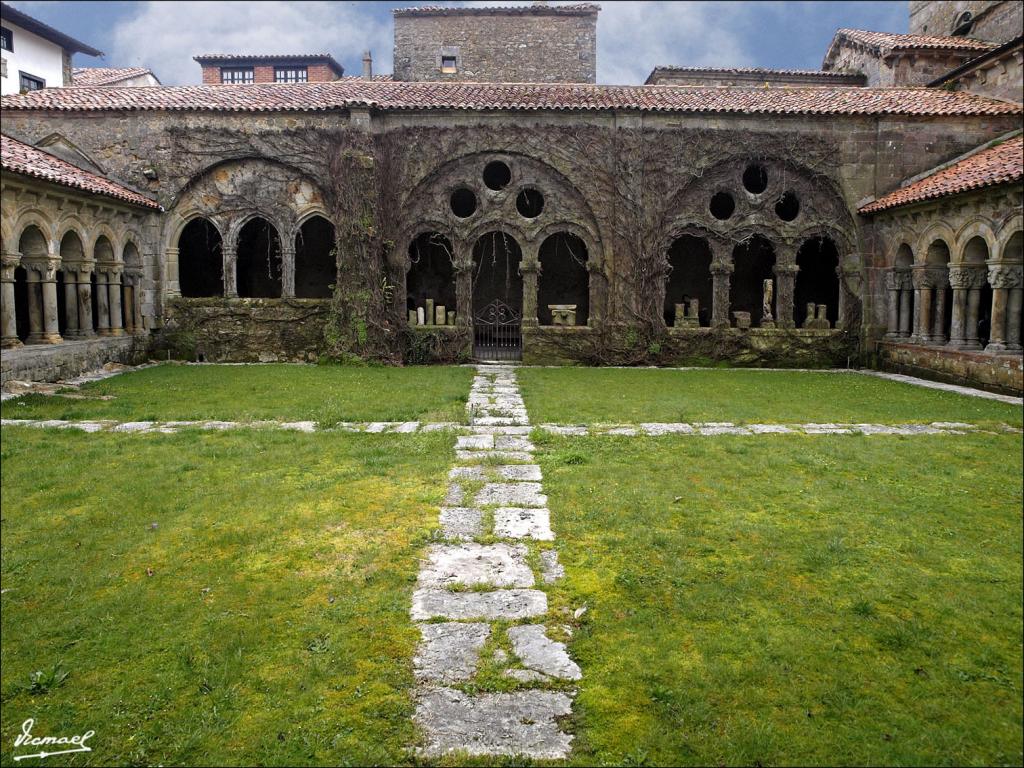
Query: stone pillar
[
  {"x": 906, "y": 294},
  {"x": 137, "y": 302},
  {"x": 35, "y": 304},
  {"x": 85, "y": 329},
  {"x": 114, "y": 303},
  {"x": 288, "y": 270},
  {"x": 973, "y": 306},
  {"x": 9, "y": 261},
  {"x": 1013, "y": 314},
  {"x": 939, "y": 282},
  {"x": 129, "y": 304},
  {"x": 230, "y": 256},
  {"x": 462, "y": 264},
  {"x": 785, "y": 278},
  {"x": 720, "y": 272},
  {"x": 529, "y": 270},
  {"x": 70, "y": 303},
  {"x": 959, "y": 279},
  {"x": 922, "y": 306},
  {"x": 892, "y": 285},
  {"x": 173, "y": 285},
  {"x": 102, "y": 299},
  {"x": 51, "y": 323},
  {"x": 1000, "y": 277}
]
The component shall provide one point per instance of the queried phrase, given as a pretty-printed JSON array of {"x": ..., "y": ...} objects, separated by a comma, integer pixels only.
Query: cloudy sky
[{"x": 633, "y": 37}]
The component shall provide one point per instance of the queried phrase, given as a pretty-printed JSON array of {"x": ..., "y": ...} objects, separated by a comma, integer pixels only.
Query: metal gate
[{"x": 498, "y": 333}]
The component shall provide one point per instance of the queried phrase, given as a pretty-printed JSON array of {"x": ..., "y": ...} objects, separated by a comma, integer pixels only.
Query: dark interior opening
[
  {"x": 259, "y": 261},
  {"x": 463, "y": 202},
  {"x": 753, "y": 262},
  {"x": 689, "y": 260},
  {"x": 94, "y": 291},
  {"x": 497, "y": 175},
  {"x": 200, "y": 263},
  {"x": 722, "y": 205},
  {"x": 563, "y": 277},
  {"x": 496, "y": 276},
  {"x": 755, "y": 179},
  {"x": 21, "y": 323},
  {"x": 431, "y": 273},
  {"x": 62, "y": 304},
  {"x": 787, "y": 207},
  {"x": 817, "y": 280},
  {"x": 530, "y": 203},
  {"x": 315, "y": 267}
]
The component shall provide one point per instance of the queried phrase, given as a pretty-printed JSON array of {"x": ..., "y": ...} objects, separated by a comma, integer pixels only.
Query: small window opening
[
  {"x": 787, "y": 207},
  {"x": 963, "y": 24},
  {"x": 530, "y": 203},
  {"x": 497, "y": 175},
  {"x": 236, "y": 75},
  {"x": 463, "y": 202},
  {"x": 722, "y": 205},
  {"x": 449, "y": 65},
  {"x": 755, "y": 179}
]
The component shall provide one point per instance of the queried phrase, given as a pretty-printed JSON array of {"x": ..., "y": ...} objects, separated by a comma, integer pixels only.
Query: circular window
[
  {"x": 463, "y": 202},
  {"x": 787, "y": 207},
  {"x": 755, "y": 179},
  {"x": 497, "y": 175},
  {"x": 530, "y": 203},
  {"x": 722, "y": 205}
]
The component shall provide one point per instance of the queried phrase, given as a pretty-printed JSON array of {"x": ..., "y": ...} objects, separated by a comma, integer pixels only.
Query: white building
[
  {"x": 121, "y": 77},
  {"x": 34, "y": 55}
]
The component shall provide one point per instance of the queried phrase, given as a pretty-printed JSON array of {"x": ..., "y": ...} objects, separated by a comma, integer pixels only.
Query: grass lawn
[
  {"x": 793, "y": 600},
  {"x": 327, "y": 394},
  {"x": 596, "y": 395},
  {"x": 215, "y": 598}
]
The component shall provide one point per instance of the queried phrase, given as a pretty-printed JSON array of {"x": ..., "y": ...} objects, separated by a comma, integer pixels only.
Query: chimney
[{"x": 367, "y": 65}]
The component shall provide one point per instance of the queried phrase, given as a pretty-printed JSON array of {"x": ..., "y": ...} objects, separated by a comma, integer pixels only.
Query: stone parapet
[
  {"x": 54, "y": 362},
  {"x": 998, "y": 373}
]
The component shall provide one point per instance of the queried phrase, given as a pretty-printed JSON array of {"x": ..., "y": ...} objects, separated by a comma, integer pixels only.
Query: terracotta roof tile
[
  {"x": 105, "y": 75},
  {"x": 384, "y": 95},
  {"x": 1001, "y": 164},
  {"x": 887, "y": 42},
  {"x": 753, "y": 71},
  {"x": 18, "y": 157},
  {"x": 533, "y": 9}
]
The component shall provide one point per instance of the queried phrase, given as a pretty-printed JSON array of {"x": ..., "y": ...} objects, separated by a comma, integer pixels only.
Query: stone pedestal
[
  {"x": 720, "y": 277},
  {"x": 785, "y": 279},
  {"x": 563, "y": 314}
]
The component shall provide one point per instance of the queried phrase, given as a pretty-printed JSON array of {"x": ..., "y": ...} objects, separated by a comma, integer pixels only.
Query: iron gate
[{"x": 498, "y": 333}]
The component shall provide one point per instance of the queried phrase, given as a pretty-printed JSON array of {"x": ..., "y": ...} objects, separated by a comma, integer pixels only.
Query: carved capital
[
  {"x": 721, "y": 268},
  {"x": 893, "y": 280},
  {"x": 1005, "y": 275},
  {"x": 960, "y": 277},
  {"x": 786, "y": 270}
]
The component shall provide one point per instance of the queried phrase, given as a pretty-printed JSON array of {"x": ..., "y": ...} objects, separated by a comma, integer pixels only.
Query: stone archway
[{"x": 497, "y": 297}]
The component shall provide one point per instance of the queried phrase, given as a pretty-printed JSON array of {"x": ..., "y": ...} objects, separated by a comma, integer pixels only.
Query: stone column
[
  {"x": 892, "y": 285},
  {"x": 529, "y": 270},
  {"x": 720, "y": 272},
  {"x": 114, "y": 303},
  {"x": 287, "y": 271},
  {"x": 1001, "y": 278},
  {"x": 906, "y": 294},
  {"x": 785, "y": 278},
  {"x": 976, "y": 283},
  {"x": 102, "y": 299},
  {"x": 1013, "y": 313},
  {"x": 959, "y": 279},
  {"x": 35, "y": 304},
  {"x": 51, "y": 323},
  {"x": 922, "y": 306},
  {"x": 462, "y": 264},
  {"x": 9, "y": 261},
  {"x": 939, "y": 281},
  {"x": 173, "y": 285},
  {"x": 70, "y": 302},
  {"x": 129, "y": 304},
  {"x": 85, "y": 329},
  {"x": 230, "y": 256}
]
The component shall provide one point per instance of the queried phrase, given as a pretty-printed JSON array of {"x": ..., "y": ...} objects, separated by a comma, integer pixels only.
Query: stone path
[
  {"x": 928, "y": 384},
  {"x": 510, "y": 439},
  {"x": 476, "y": 600}
]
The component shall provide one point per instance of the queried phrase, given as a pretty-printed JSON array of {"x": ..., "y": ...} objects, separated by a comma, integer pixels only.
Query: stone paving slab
[
  {"x": 523, "y": 723},
  {"x": 551, "y": 569},
  {"x": 459, "y": 523},
  {"x": 523, "y": 523},
  {"x": 510, "y": 604},
  {"x": 512, "y": 495},
  {"x": 470, "y": 564},
  {"x": 538, "y": 652},
  {"x": 449, "y": 652}
]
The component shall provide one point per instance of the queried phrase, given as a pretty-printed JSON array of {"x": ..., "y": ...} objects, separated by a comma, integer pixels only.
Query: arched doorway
[
  {"x": 817, "y": 282},
  {"x": 497, "y": 298},
  {"x": 753, "y": 263},
  {"x": 315, "y": 267},
  {"x": 430, "y": 281},
  {"x": 259, "y": 266},
  {"x": 689, "y": 280},
  {"x": 564, "y": 280},
  {"x": 200, "y": 262}
]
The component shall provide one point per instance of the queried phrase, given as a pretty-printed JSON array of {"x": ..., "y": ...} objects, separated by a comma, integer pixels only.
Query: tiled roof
[
  {"x": 18, "y": 157},
  {"x": 105, "y": 75},
  {"x": 384, "y": 95},
  {"x": 754, "y": 71},
  {"x": 533, "y": 9},
  {"x": 889, "y": 42},
  {"x": 280, "y": 58},
  {"x": 1000, "y": 164}
]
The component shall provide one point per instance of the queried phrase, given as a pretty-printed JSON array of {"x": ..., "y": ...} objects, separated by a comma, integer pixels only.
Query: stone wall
[
  {"x": 999, "y": 373},
  {"x": 714, "y": 78},
  {"x": 997, "y": 21},
  {"x": 919, "y": 68},
  {"x": 753, "y": 348},
  {"x": 54, "y": 362},
  {"x": 997, "y": 77},
  {"x": 243, "y": 330},
  {"x": 529, "y": 45}
]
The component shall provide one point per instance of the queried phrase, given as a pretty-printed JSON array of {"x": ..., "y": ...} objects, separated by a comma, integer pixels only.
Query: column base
[
  {"x": 10, "y": 342},
  {"x": 103, "y": 332},
  {"x": 51, "y": 338},
  {"x": 970, "y": 345},
  {"x": 767, "y": 324},
  {"x": 116, "y": 332},
  {"x": 995, "y": 348}
]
